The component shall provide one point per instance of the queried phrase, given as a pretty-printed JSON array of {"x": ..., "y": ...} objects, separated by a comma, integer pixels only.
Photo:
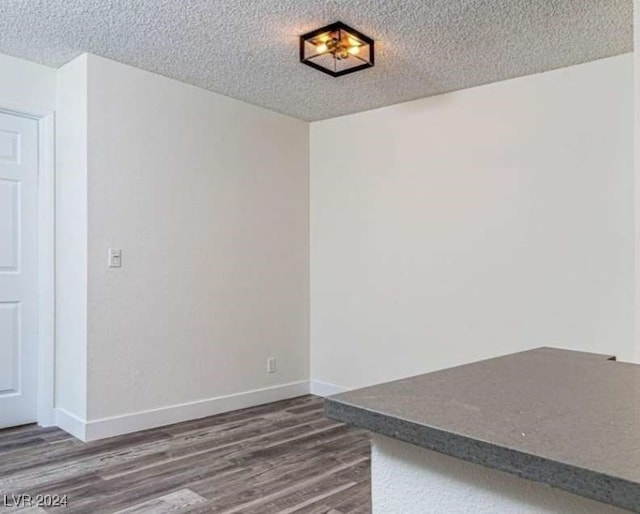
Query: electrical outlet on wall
[{"x": 271, "y": 365}]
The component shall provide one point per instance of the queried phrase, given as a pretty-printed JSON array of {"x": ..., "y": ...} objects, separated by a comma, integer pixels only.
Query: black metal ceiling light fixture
[{"x": 336, "y": 49}]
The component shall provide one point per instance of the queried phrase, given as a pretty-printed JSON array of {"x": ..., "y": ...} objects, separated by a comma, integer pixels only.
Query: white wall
[
  {"x": 208, "y": 199},
  {"x": 443, "y": 230},
  {"x": 474, "y": 224},
  {"x": 413, "y": 480},
  {"x": 71, "y": 242},
  {"x": 26, "y": 86}
]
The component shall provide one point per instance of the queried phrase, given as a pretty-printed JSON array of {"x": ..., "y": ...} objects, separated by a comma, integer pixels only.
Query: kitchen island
[{"x": 544, "y": 430}]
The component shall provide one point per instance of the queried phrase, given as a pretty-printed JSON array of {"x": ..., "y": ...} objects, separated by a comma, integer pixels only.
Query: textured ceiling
[{"x": 248, "y": 49}]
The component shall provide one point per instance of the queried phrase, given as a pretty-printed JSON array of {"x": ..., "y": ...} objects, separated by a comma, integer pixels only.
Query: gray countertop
[{"x": 568, "y": 419}]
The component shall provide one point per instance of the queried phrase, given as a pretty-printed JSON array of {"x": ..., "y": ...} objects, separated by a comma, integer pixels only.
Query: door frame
[{"x": 46, "y": 256}]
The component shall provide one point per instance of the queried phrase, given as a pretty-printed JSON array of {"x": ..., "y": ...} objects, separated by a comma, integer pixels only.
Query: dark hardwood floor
[{"x": 277, "y": 458}]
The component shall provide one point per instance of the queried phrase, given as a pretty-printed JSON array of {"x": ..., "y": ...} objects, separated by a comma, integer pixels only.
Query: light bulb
[
  {"x": 321, "y": 48},
  {"x": 354, "y": 50}
]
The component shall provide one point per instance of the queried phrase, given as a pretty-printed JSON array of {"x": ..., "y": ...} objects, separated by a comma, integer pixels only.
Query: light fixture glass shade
[{"x": 336, "y": 49}]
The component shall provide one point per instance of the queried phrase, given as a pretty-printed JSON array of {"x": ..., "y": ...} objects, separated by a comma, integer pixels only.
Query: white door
[{"x": 18, "y": 269}]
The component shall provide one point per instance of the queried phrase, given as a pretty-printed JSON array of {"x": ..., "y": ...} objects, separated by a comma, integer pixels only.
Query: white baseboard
[
  {"x": 93, "y": 430},
  {"x": 70, "y": 423},
  {"x": 324, "y": 389}
]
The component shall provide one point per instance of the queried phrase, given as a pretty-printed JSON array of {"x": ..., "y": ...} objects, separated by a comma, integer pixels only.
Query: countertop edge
[{"x": 583, "y": 482}]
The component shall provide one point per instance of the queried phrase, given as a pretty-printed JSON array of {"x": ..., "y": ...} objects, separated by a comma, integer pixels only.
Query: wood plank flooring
[{"x": 279, "y": 458}]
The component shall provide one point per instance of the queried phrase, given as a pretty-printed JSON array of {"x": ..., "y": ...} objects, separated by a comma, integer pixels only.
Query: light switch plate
[{"x": 114, "y": 258}]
